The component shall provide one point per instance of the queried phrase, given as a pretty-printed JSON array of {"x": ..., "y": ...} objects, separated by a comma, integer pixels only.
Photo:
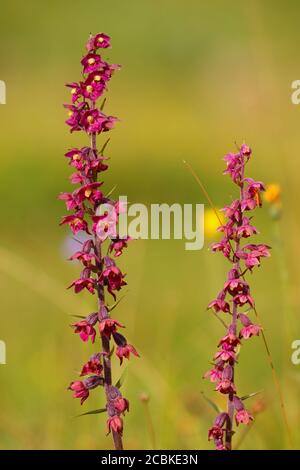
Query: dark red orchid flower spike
[
  {"x": 100, "y": 273},
  {"x": 235, "y": 299}
]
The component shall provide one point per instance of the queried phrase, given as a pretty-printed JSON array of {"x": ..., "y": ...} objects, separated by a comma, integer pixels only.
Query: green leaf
[
  {"x": 104, "y": 146},
  {"x": 237, "y": 351},
  {"x": 103, "y": 104},
  {"x": 111, "y": 191},
  {"x": 111, "y": 352},
  {"x": 251, "y": 395},
  {"x": 211, "y": 403},
  {"x": 93, "y": 412},
  {"x": 116, "y": 303},
  {"x": 121, "y": 379}
]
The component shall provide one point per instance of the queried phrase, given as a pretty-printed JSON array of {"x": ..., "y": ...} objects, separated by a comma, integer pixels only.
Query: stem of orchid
[
  {"x": 230, "y": 406},
  {"x": 118, "y": 443}
]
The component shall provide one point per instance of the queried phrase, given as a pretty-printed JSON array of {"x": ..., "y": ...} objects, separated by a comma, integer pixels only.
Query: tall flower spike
[
  {"x": 86, "y": 203},
  {"x": 235, "y": 298}
]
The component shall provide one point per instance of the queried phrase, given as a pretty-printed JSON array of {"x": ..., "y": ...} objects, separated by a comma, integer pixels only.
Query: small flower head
[
  {"x": 121, "y": 404},
  {"x": 123, "y": 348},
  {"x": 215, "y": 433},
  {"x": 117, "y": 245},
  {"x": 105, "y": 226},
  {"x": 249, "y": 329},
  {"x": 80, "y": 390},
  {"x": 125, "y": 351},
  {"x": 214, "y": 374},
  {"x": 92, "y": 62},
  {"x": 99, "y": 41},
  {"x": 219, "y": 304},
  {"x": 83, "y": 283},
  {"x": 108, "y": 326},
  {"x": 76, "y": 222},
  {"x": 243, "y": 416},
  {"x": 115, "y": 423},
  {"x": 85, "y": 330},
  {"x": 113, "y": 278},
  {"x": 92, "y": 366}
]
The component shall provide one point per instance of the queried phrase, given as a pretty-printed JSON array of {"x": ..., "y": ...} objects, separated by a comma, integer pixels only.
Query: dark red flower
[
  {"x": 86, "y": 283},
  {"x": 125, "y": 351},
  {"x": 249, "y": 328},
  {"x": 80, "y": 390},
  {"x": 75, "y": 222},
  {"x": 215, "y": 433},
  {"x": 115, "y": 423},
  {"x": 93, "y": 365},
  {"x": 69, "y": 199},
  {"x": 85, "y": 330},
  {"x": 88, "y": 192},
  {"x": 94, "y": 121},
  {"x": 219, "y": 304},
  {"x": 108, "y": 326},
  {"x": 100, "y": 40},
  {"x": 92, "y": 62},
  {"x": 77, "y": 158},
  {"x": 76, "y": 91},
  {"x": 75, "y": 113},
  {"x": 112, "y": 277},
  {"x": 121, "y": 404},
  {"x": 117, "y": 245}
]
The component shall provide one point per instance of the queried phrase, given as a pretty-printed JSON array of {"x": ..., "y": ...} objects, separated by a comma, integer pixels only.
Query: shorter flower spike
[{"x": 235, "y": 295}]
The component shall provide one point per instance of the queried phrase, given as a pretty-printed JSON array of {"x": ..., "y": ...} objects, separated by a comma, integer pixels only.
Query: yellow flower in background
[
  {"x": 272, "y": 194},
  {"x": 212, "y": 222}
]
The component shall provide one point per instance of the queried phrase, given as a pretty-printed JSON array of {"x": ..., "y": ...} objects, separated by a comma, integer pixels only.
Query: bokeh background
[{"x": 197, "y": 76}]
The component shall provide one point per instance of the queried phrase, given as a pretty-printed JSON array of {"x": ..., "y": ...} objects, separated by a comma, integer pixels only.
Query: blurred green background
[{"x": 197, "y": 76}]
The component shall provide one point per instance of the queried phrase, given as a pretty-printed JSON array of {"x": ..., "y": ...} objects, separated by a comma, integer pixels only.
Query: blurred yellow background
[{"x": 197, "y": 76}]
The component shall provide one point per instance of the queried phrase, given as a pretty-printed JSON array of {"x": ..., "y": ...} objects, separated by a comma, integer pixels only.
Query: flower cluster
[
  {"x": 235, "y": 298},
  {"x": 99, "y": 272}
]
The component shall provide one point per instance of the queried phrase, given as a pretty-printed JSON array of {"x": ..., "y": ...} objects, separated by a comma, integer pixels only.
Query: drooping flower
[
  {"x": 214, "y": 374},
  {"x": 85, "y": 330},
  {"x": 113, "y": 278},
  {"x": 93, "y": 365},
  {"x": 76, "y": 222},
  {"x": 117, "y": 245},
  {"x": 83, "y": 283},
  {"x": 115, "y": 423},
  {"x": 123, "y": 348},
  {"x": 108, "y": 326},
  {"x": 249, "y": 329},
  {"x": 219, "y": 304},
  {"x": 125, "y": 351},
  {"x": 80, "y": 390},
  {"x": 121, "y": 404}
]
